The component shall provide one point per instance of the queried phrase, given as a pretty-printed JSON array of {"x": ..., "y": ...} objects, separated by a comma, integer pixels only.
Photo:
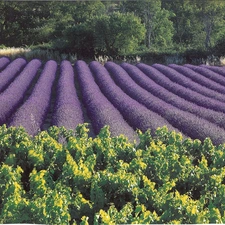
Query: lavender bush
[
  {"x": 32, "y": 113},
  {"x": 141, "y": 79},
  {"x": 99, "y": 109},
  {"x": 188, "y": 83},
  {"x": 4, "y": 61},
  {"x": 136, "y": 114},
  {"x": 217, "y": 69},
  {"x": 198, "y": 78},
  {"x": 207, "y": 73},
  {"x": 10, "y": 72},
  {"x": 181, "y": 91},
  {"x": 186, "y": 122},
  {"x": 67, "y": 110},
  {"x": 14, "y": 94}
]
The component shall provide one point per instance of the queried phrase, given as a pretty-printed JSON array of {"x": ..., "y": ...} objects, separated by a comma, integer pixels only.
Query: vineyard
[{"x": 115, "y": 143}]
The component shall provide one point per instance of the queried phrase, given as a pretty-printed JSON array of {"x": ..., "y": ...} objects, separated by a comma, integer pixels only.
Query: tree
[
  {"x": 197, "y": 23},
  {"x": 80, "y": 40},
  {"x": 159, "y": 28},
  {"x": 183, "y": 14},
  {"x": 211, "y": 15},
  {"x": 78, "y": 34},
  {"x": 163, "y": 30},
  {"x": 117, "y": 32},
  {"x": 19, "y": 21}
]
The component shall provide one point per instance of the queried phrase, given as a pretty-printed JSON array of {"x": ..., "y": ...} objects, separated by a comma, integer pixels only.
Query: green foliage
[
  {"x": 79, "y": 39},
  {"x": 219, "y": 48},
  {"x": 157, "y": 22},
  {"x": 163, "y": 35},
  {"x": 66, "y": 177},
  {"x": 122, "y": 32},
  {"x": 198, "y": 23},
  {"x": 13, "y": 203},
  {"x": 20, "y": 23},
  {"x": 88, "y": 28}
]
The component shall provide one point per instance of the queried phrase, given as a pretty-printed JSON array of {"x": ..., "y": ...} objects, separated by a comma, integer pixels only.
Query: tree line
[{"x": 114, "y": 27}]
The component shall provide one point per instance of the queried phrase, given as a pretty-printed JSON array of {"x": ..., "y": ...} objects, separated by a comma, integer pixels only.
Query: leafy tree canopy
[
  {"x": 113, "y": 27},
  {"x": 118, "y": 32}
]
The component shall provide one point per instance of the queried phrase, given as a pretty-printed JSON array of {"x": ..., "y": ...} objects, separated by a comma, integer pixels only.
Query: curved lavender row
[
  {"x": 188, "y": 123},
  {"x": 181, "y": 91},
  {"x": 14, "y": 94},
  {"x": 67, "y": 110},
  {"x": 99, "y": 109},
  {"x": 207, "y": 73},
  {"x": 179, "y": 78},
  {"x": 136, "y": 114},
  {"x": 32, "y": 113},
  {"x": 217, "y": 69},
  {"x": 141, "y": 79},
  {"x": 9, "y": 73},
  {"x": 4, "y": 61},
  {"x": 196, "y": 77}
]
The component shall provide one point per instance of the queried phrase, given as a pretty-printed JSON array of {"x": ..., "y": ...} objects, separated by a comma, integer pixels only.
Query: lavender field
[{"x": 188, "y": 99}]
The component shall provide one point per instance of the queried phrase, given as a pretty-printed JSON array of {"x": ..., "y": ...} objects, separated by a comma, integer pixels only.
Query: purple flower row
[
  {"x": 4, "y": 61},
  {"x": 188, "y": 83},
  {"x": 144, "y": 81},
  {"x": 32, "y": 113},
  {"x": 99, "y": 109},
  {"x": 15, "y": 93},
  {"x": 181, "y": 91},
  {"x": 67, "y": 112},
  {"x": 217, "y": 69},
  {"x": 186, "y": 122},
  {"x": 208, "y": 73},
  {"x": 201, "y": 80},
  {"x": 136, "y": 114},
  {"x": 10, "y": 72}
]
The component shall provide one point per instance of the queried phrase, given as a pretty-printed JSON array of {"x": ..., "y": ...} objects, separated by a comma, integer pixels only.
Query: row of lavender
[
  {"x": 12, "y": 97},
  {"x": 188, "y": 98},
  {"x": 33, "y": 112},
  {"x": 190, "y": 124},
  {"x": 4, "y": 61}
]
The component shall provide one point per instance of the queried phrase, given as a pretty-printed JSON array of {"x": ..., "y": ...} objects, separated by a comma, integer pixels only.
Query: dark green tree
[
  {"x": 159, "y": 28},
  {"x": 19, "y": 21},
  {"x": 117, "y": 33},
  {"x": 78, "y": 34},
  {"x": 197, "y": 23},
  {"x": 211, "y": 15},
  {"x": 182, "y": 20}
]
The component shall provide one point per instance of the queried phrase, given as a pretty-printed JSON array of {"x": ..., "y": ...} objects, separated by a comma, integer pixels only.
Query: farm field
[
  {"x": 65, "y": 166},
  {"x": 188, "y": 99},
  {"x": 112, "y": 112}
]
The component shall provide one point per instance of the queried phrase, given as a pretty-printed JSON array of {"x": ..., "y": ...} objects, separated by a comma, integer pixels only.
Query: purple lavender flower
[
  {"x": 185, "y": 81},
  {"x": 32, "y": 113},
  {"x": 181, "y": 91},
  {"x": 10, "y": 72},
  {"x": 4, "y": 61},
  {"x": 136, "y": 114},
  {"x": 208, "y": 73},
  {"x": 217, "y": 69},
  {"x": 99, "y": 109},
  {"x": 13, "y": 96},
  {"x": 148, "y": 84},
  {"x": 68, "y": 112},
  {"x": 201, "y": 80},
  {"x": 186, "y": 122}
]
